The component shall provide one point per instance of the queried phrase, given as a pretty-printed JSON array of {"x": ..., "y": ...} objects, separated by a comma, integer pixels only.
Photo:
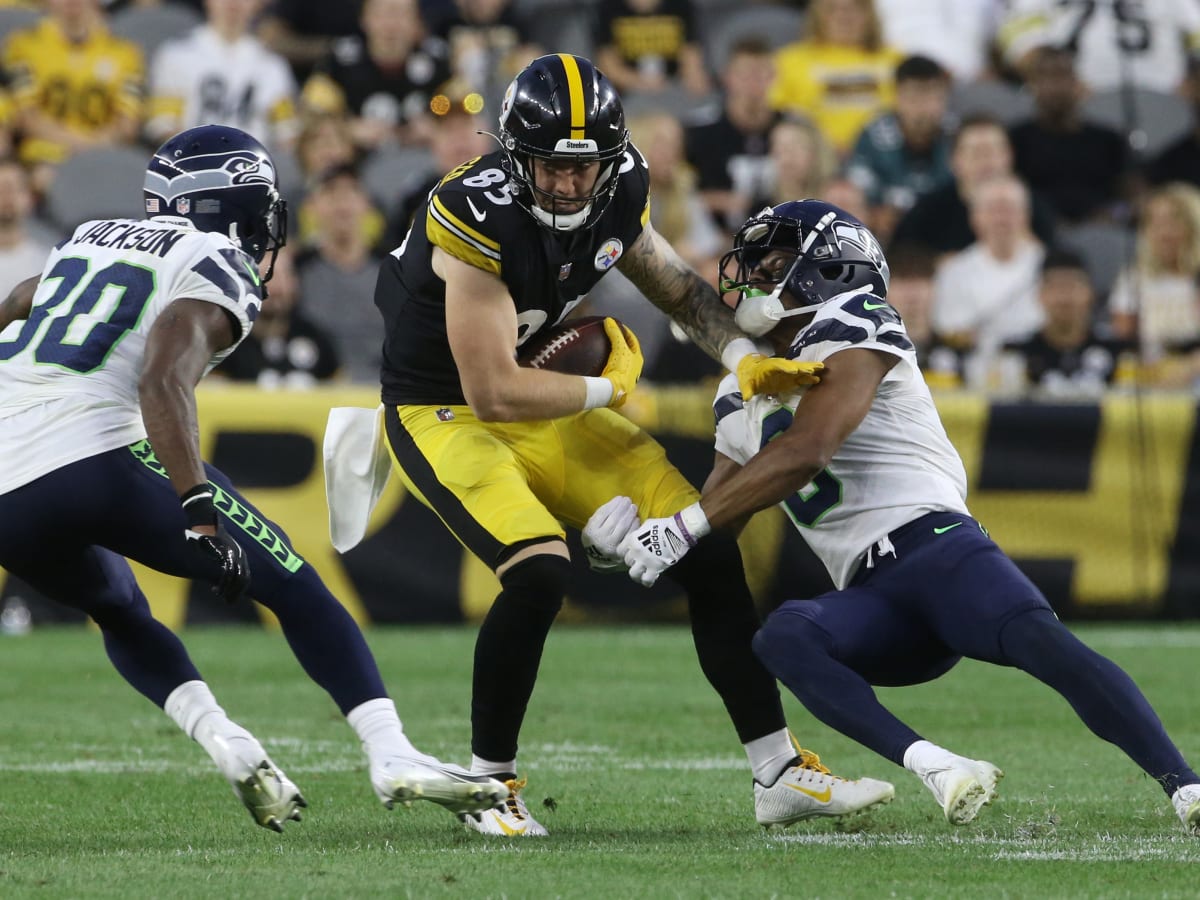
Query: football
[{"x": 575, "y": 347}]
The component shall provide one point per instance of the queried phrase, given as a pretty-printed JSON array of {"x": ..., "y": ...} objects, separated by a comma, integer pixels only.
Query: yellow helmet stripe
[{"x": 574, "y": 95}]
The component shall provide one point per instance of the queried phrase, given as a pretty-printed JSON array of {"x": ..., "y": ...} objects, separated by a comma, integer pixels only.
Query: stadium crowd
[{"x": 1032, "y": 166}]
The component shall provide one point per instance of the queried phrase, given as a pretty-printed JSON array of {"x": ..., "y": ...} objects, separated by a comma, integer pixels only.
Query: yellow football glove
[
  {"x": 625, "y": 361},
  {"x": 758, "y": 374}
]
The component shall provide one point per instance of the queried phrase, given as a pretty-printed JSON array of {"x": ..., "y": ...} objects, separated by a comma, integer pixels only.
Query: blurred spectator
[
  {"x": 75, "y": 86},
  {"x": 489, "y": 43},
  {"x": 906, "y": 153},
  {"x": 284, "y": 349},
  {"x": 303, "y": 31},
  {"x": 1126, "y": 43},
  {"x": 979, "y": 152},
  {"x": 20, "y": 254},
  {"x": 221, "y": 74},
  {"x": 841, "y": 74},
  {"x": 728, "y": 149},
  {"x": 325, "y": 145},
  {"x": 801, "y": 162},
  {"x": 1067, "y": 358},
  {"x": 910, "y": 292},
  {"x": 842, "y": 192},
  {"x": 956, "y": 33},
  {"x": 987, "y": 294},
  {"x": 455, "y": 136},
  {"x": 1155, "y": 301},
  {"x": 1181, "y": 161},
  {"x": 337, "y": 275},
  {"x": 1078, "y": 166},
  {"x": 644, "y": 46},
  {"x": 384, "y": 79}
]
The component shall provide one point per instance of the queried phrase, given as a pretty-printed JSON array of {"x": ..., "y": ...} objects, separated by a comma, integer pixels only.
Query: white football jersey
[
  {"x": 69, "y": 373},
  {"x": 200, "y": 79},
  {"x": 896, "y": 466}
]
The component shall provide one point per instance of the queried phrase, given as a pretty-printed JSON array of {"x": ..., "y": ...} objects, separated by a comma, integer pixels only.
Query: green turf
[{"x": 632, "y": 765}]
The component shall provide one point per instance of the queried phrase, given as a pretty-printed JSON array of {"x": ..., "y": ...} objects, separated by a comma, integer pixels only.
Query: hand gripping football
[{"x": 575, "y": 347}]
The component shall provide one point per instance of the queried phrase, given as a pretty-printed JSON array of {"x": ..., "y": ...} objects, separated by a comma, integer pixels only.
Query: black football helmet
[
  {"x": 831, "y": 252},
  {"x": 561, "y": 107},
  {"x": 219, "y": 179}
]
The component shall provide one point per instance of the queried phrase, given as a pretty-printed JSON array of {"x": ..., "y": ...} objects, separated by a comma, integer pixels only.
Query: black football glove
[{"x": 220, "y": 548}]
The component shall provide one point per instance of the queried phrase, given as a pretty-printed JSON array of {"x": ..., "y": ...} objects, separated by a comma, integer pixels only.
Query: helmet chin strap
[{"x": 560, "y": 221}]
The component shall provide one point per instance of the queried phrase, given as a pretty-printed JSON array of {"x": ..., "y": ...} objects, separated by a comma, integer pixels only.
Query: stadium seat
[
  {"x": 1153, "y": 120},
  {"x": 1105, "y": 249},
  {"x": 97, "y": 184},
  {"x": 390, "y": 171},
  {"x": 14, "y": 17},
  {"x": 149, "y": 26},
  {"x": 721, "y": 28},
  {"x": 1002, "y": 101}
]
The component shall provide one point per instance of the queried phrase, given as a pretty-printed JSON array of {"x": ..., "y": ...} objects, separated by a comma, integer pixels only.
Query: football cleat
[
  {"x": 1186, "y": 801},
  {"x": 401, "y": 779},
  {"x": 266, "y": 792},
  {"x": 808, "y": 790},
  {"x": 962, "y": 786},
  {"x": 511, "y": 818}
]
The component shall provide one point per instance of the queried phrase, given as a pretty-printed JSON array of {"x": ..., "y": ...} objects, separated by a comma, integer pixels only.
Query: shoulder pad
[{"x": 465, "y": 219}]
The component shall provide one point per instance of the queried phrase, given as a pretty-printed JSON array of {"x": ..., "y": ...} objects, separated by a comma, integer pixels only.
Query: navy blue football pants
[
  {"x": 68, "y": 533},
  {"x": 947, "y": 592}
]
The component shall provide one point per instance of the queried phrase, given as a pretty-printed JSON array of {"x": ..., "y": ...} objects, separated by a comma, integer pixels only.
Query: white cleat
[
  {"x": 511, "y": 818},
  {"x": 402, "y": 779},
  {"x": 808, "y": 790},
  {"x": 1187, "y": 805},
  {"x": 962, "y": 786},
  {"x": 266, "y": 792}
]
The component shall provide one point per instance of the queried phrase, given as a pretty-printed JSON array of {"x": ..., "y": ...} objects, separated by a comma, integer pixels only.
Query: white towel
[{"x": 357, "y": 467}]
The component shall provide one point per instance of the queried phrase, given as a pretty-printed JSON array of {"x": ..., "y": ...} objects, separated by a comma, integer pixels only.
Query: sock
[
  {"x": 481, "y": 766},
  {"x": 921, "y": 756},
  {"x": 770, "y": 755},
  {"x": 379, "y": 728},
  {"x": 194, "y": 709}
]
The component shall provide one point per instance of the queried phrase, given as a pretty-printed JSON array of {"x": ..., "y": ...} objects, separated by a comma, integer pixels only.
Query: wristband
[
  {"x": 599, "y": 391},
  {"x": 737, "y": 350},
  {"x": 197, "y": 503},
  {"x": 693, "y": 523}
]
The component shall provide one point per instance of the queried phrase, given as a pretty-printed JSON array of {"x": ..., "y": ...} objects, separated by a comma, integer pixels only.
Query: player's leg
[
  {"x": 475, "y": 477},
  {"x": 323, "y": 636},
  {"x": 608, "y": 455}
]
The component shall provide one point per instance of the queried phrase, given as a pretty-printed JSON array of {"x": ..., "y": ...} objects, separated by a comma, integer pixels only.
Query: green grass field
[{"x": 632, "y": 766}]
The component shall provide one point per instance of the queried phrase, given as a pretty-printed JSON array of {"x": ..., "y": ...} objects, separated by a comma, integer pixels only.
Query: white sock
[
  {"x": 921, "y": 756},
  {"x": 193, "y": 708},
  {"x": 769, "y": 755},
  {"x": 378, "y": 727},
  {"x": 481, "y": 766}
]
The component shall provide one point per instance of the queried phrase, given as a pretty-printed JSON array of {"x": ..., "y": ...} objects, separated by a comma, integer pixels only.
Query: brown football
[{"x": 574, "y": 347}]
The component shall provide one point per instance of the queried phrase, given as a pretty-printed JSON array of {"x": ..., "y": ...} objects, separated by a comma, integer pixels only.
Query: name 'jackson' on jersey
[
  {"x": 471, "y": 215},
  {"x": 69, "y": 373}
]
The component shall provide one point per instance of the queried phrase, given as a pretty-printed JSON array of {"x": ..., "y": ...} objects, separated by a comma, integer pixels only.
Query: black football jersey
[{"x": 472, "y": 216}]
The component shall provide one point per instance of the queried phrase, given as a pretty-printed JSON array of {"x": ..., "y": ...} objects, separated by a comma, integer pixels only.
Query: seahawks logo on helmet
[{"x": 211, "y": 172}]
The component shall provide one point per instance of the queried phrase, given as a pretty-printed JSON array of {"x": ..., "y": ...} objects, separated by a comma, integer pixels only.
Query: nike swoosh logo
[
  {"x": 253, "y": 274},
  {"x": 946, "y": 528},
  {"x": 820, "y": 796},
  {"x": 479, "y": 216},
  {"x": 867, "y": 304},
  {"x": 508, "y": 829}
]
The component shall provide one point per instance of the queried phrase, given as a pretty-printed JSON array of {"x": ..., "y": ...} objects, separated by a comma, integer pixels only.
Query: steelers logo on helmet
[{"x": 561, "y": 110}]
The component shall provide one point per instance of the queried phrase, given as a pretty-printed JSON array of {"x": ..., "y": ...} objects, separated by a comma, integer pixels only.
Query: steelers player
[{"x": 508, "y": 244}]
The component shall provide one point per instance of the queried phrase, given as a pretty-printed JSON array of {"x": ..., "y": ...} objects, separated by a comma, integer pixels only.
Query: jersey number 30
[
  {"x": 79, "y": 339},
  {"x": 809, "y": 504}
]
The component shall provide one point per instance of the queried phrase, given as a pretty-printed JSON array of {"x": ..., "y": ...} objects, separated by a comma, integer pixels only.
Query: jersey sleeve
[
  {"x": 463, "y": 221},
  {"x": 729, "y": 411},
  {"x": 861, "y": 321},
  {"x": 217, "y": 272}
]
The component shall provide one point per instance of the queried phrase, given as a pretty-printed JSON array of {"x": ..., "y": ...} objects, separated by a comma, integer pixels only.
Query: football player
[
  {"x": 102, "y": 462},
  {"x": 863, "y": 468},
  {"x": 508, "y": 244}
]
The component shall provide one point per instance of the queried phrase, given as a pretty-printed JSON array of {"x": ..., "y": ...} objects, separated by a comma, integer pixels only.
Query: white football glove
[
  {"x": 604, "y": 531},
  {"x": 660, "y": 543}
]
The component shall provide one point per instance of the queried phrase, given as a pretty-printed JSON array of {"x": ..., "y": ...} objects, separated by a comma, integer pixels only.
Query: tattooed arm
[{"x": 678, "y": 290}]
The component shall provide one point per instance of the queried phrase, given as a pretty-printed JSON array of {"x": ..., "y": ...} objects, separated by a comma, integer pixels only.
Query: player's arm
[
  {"x": 481, "y": 324},
  {"x": 17, "y": 305},
  {"x": 724, "y": 469}
]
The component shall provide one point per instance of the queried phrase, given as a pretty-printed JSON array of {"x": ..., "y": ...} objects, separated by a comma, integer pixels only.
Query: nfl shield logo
[
  {"x": 183, "y": 205},
  {"x": 445, "y": 415},
  {"x": 564, "y": 271}
]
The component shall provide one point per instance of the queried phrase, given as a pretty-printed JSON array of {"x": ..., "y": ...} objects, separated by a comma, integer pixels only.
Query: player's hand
[
  {"x": 658, "y": 544},
  {"x": 604, "y": 531},
  {"x": 229, "y": 556},
  {"x": 624, "y": 366},
  {"x": 758, "y": 374}
]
